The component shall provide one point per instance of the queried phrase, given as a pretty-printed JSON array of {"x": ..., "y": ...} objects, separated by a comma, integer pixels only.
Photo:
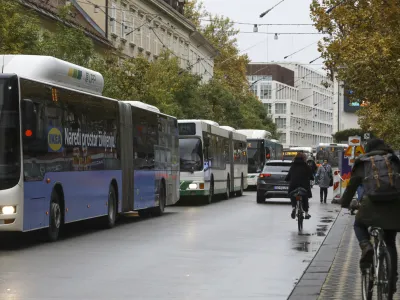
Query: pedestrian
[
  {"x": 325, "y": 180},
  {"x": 378, "y": 172}
]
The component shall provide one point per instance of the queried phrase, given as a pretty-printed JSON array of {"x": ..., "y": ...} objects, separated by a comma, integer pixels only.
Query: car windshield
[
  {"x": 277, "y": 167},
  {"x": 191, "y": 154}
]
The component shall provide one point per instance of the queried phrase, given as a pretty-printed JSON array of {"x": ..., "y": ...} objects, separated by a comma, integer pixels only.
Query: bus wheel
[
  {"x": 240, "y": 193},
  {"x": 55, "y": 217},
  {"x": 158, "y": 211},
  {"x": 112, "y": 208},
  {"x": 228, "y": 192},
  {"x": 210, "y": 196}
]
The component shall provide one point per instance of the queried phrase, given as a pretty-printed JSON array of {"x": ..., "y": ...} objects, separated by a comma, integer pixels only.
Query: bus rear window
[{"x": 187, "y": 128}]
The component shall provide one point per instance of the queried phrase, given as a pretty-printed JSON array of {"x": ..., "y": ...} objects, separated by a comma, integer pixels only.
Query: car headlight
[
  {"x": 193, "y": 186},
  {"x": 8, "y": 210}
]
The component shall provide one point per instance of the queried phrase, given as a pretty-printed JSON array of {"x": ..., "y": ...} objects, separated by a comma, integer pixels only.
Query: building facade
[
  {"x": 149, "y": 27},
  {"x": 298, "y": 98}
]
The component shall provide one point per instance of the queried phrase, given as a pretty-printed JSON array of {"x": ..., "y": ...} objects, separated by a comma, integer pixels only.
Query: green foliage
[
  {"x": 343, "y": 135},
  {"x": 363, "y": 49},
  {"x": 19, "y": 29}
]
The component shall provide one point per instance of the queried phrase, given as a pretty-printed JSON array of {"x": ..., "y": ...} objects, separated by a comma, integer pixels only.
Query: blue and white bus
[{"x": 68, "y": 154}]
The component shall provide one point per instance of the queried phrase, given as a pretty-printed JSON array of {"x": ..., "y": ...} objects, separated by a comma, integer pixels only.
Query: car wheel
[{"x": 260, "y": 197}]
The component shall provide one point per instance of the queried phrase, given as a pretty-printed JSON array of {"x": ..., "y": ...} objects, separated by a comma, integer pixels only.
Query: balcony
[{"x": 175, "y": 4}]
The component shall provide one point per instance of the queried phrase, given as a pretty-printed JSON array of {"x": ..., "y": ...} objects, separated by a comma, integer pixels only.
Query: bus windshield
[
  {"x": 255, "y": 158},
  {"x": 9, "y": 133},
  {"x": 191, "y": 154}
]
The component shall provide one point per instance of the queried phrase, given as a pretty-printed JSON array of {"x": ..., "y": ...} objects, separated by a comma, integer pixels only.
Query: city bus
[
  {"x": 291, "y": 152},
  {"x": 213, "y": 160},
  {"x": 260, "y": 148},
  {"x": 329, "y": 152},
  {"x": 70, "y": 154}
]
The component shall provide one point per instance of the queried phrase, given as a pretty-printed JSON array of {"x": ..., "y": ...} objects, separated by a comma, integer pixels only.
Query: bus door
[{"x": 126, "y": 152}]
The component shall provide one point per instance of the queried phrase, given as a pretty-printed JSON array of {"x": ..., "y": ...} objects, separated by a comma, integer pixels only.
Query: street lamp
[
  {"x": 268, "y": 10},
  {"x": 329, "y": 10}
]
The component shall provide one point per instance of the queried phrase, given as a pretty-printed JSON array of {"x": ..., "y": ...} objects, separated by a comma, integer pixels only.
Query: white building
[
  {"x": 298, "y": 102},
  {"x": 148, "y": 27}
]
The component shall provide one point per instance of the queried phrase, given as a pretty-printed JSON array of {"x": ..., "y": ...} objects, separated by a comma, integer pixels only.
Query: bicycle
[
  {"x": 298, "y": 194},
  {"x": 379, "y": 274}
]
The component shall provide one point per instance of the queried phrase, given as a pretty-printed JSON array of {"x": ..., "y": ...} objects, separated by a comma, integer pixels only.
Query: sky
[{"x": 264, "y": 48}]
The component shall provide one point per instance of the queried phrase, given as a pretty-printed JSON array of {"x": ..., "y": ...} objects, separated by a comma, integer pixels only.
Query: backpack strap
[
  {"x": 390, "y": 170},
  {"x": 375, "y": 170}
]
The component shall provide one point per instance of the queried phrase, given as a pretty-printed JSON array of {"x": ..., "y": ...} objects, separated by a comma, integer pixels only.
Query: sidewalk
[{"x": 334, "y": 271}]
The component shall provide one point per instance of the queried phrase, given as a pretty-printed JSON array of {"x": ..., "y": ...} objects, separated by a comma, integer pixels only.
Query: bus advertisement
[
  {"x": 213, "y": 160},
  {"x": 70, "y": 154}
]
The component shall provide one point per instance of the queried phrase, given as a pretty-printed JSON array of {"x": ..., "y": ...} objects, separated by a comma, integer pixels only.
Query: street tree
[
  {"x": 363, "y": 49},
  {"x": 19, "y": 30}
]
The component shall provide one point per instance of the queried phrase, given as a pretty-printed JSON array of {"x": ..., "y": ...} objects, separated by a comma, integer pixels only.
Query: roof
[
  {"x": 51, "y": 11},
  {"x": 279, "y": 160}
]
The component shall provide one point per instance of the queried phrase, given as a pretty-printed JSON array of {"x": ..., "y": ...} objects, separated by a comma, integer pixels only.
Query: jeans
[
  {"x": 304, "y": 200},
  {"x": 323, "y": 192},
  {"x": 361, "y": 232}
]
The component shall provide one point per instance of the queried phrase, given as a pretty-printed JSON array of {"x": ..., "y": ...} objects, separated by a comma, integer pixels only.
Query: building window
[
  {"x": 280, "y": 108},
  {"x": 282, "y": 138},
  {"x": 253, "y": 89},
  {"x": 268, "y": 108},
  {"x": 265, "y": 90},
  {"x": 124, "y": 26},
  {"x": 113, "y": 18},
  {"x": 280, "y": 123}
]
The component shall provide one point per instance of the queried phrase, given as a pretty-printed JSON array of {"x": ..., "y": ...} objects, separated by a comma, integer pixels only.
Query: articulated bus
[
  {"x": 330, "y": 152},
  {"x": 213, "y": 160},
  {"x": 69, "y": 154},
  {"x": 260, "y": 149}
]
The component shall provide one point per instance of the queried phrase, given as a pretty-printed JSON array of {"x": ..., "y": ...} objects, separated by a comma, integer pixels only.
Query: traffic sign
[
  {"x": 359, "y": 151},
  {"x": 348, "y": 152},
  {"x": 367, "y": 136},
  {"x": 354, "y": 140}
]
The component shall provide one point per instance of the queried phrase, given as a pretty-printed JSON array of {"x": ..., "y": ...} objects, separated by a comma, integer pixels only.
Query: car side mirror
[{"x": 28, "y": 114}]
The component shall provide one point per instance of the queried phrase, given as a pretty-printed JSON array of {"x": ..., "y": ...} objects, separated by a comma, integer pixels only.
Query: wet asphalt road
[{"x": 234, "y": 249}]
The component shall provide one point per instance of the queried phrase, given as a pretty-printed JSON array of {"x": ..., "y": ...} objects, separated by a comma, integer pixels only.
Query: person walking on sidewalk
[
  {"x": 378, "y": 172},
  {"x": 325, "y": 180}
]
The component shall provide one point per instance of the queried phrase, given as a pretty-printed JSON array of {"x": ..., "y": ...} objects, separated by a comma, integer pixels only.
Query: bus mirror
[
  {"x": 206, "y": 141},
  {"x": 28, "y": 119}
]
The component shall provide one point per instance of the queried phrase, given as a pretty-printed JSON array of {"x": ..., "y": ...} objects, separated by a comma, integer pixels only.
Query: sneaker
[
  {"x": 307, "y": 216},
  {"x": 293, "y": 214},
  {"x": 367, "y": 254}
]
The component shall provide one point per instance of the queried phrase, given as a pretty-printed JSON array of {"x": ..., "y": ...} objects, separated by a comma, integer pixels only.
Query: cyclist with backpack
[{"x": 378, "y": 172}]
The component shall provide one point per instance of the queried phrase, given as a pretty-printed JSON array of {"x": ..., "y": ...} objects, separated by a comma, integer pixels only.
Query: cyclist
[
  {"x": 383, "y": 214},
  {"x": 300, "y": 175}
]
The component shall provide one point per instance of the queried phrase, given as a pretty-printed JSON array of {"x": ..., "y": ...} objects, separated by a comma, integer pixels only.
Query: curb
[{"x": 310, "y": 284}]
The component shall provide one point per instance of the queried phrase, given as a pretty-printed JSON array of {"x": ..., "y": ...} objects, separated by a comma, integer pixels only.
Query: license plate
[{"x": 281, "y": 188}]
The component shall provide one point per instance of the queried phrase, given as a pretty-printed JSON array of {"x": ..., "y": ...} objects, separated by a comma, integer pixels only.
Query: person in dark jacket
[
  {"x": 384, "y": 215},
  {"x": 300, "y": 175},
  {"x": 311, "y": 163}
]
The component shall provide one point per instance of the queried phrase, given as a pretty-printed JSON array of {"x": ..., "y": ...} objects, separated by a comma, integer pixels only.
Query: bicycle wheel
[
  {"x": 384, "y": 287},
  {"x": 300, "y": 218},
  {"x": 367, "y": 283}
]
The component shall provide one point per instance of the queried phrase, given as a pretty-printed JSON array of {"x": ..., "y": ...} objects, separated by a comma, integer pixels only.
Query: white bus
[
  {"x": 260, "y": 148},
  {"x": 213, "y": 160},
  {"x": 69, "y": 154},
  {"x": 330, "y": 152}
]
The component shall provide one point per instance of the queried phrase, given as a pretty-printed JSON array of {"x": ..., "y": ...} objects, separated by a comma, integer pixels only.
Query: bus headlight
[
  {"x": 8, "y": 210},
  {"x": 193, "y": 186}
]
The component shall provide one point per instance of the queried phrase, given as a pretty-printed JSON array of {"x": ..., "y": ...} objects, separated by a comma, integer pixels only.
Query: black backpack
[{"x": 381, "y": 180}]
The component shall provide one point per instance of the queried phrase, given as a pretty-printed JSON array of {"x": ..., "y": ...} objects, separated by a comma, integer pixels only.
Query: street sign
[
  {"x": 367, "y": 136},
  {"x": 359, "y": 151},
  {"x": 348, "y": 152},
  {"x": 354, "y": 140}
]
